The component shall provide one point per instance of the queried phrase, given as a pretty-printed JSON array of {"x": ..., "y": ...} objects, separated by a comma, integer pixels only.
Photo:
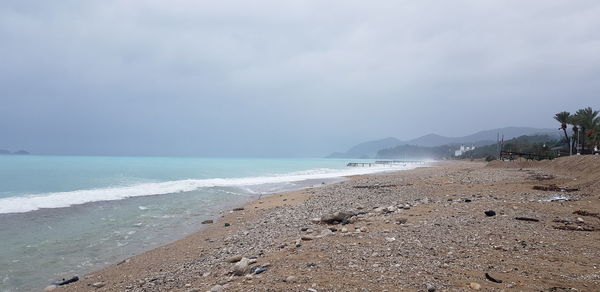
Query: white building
[{"x": 463, "y": 149}]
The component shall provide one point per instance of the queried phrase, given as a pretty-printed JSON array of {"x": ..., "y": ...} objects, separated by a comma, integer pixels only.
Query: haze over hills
[{"x": 369, "y": 149}]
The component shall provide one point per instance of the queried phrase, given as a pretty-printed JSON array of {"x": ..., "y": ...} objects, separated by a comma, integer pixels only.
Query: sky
[{"x": 285, "y": 78}]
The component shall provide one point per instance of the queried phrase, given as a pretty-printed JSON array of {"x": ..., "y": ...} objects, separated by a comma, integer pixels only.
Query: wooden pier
[{"x": 383, "y": 162}]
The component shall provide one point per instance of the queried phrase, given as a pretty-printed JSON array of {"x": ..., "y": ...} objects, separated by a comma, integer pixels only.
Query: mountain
[{"x": 369, "y": 149}]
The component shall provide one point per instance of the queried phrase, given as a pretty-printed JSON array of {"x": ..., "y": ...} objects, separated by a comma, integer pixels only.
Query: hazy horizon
[{"x": 285, "y": 79}]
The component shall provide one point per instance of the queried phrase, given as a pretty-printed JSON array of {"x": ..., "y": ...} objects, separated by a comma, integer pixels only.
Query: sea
[{"x": 62, "y": 216}]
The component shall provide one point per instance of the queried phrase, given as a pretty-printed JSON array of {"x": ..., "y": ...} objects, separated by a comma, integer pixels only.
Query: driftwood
[
  {"x": 487, "y": 276},
  {"x": 554, "y": 188},
  {"x": 586, "y": 213},
  {"x": 527, "y": 219}
]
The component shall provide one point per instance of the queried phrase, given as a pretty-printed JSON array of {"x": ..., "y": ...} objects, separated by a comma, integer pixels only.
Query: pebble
[
  {"x": 579, "y": 219},
  {"x": 290, "y": 279},
  {"x": 364, "y": 229},
  {"x": 344, "y": 230},
  {"x": 98, "y": 284},
  {"x": 474, "y": 286},
  {"x": 217, "y": 288},
  {"x": 241, "y": 267},
  {"x": 234, "y": 259}
]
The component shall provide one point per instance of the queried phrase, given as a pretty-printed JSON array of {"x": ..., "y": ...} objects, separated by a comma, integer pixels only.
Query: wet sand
[{"x": 417, "y": 230}]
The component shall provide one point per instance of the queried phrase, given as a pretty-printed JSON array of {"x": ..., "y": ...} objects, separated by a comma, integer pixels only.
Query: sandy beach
[{"x": 425, "y": 229}]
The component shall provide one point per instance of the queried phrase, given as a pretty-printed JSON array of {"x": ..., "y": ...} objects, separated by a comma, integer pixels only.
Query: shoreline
[{"x": 435, "y": 236}]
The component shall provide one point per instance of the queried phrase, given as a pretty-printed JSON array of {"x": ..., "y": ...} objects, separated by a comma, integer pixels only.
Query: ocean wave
[{"x": 32, "y": 202}]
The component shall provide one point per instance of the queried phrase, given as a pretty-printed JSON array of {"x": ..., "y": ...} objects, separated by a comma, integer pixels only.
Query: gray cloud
[{"x": 285, "y": 78}]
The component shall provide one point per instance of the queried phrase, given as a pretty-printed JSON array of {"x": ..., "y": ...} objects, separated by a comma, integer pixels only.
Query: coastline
[{"x": 435, "y": 236}]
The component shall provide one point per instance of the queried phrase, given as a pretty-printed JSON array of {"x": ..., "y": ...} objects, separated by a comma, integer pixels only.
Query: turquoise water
[{"x": 62, "y": 216}]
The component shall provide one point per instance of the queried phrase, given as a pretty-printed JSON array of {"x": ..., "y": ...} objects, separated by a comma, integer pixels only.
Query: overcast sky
[{"x": 285, "y": 78}]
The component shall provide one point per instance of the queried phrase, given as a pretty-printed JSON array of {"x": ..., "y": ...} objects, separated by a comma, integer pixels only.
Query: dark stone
[
  {"x": 490, "y": 213},
  {"x": 65, "y": 282},
  {"x": 468, "y": 201},
  {"x": 227, "y": 224},
  {"x": 207, "y": 222}
]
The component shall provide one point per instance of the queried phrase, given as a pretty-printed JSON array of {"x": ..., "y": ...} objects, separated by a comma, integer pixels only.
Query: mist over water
[{"x": 66, "y": 216}]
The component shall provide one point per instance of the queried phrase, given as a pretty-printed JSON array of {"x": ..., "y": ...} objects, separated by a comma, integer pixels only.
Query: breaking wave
[{"x": 32, "y": 202}]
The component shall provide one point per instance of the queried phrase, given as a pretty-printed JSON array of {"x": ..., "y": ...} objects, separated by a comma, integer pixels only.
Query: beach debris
[
  {"x": 66, "y": 281},
  {"x": 373, "y": 186},
  {"x": 492, "y": 279},
  {"x": 241, "y": 267},
  {"x": 336, "y": 217},
  {"x": 490, "y": 213},
  {"x": 307, "y": 238},
  {"x": 527, "y": 219},
  {"x": 474, "y": 286},
  {"x": 390, "y": 239},
  {"x": 574, "y": 228},
  {"x": 258, "y": 270},
  {"x": 540, "y": 176},
  {"x": 123, "y": 262},
  {"x": 311, "y": 290},
  {"x": 586, "y": 213},
  {"x": 207, "y": 222},
  {"x": 554, "y": 188},
  {"x": 234, "y": 259},
  {"x": 558, "y": 198},
  {"x": 98, "y": 284},
  {"x": 400, "y": 221},
  {"x": 238, "y": 209}
]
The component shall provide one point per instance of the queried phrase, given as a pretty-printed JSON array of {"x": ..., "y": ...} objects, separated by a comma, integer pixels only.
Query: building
[{"x": 463, "y": 149}]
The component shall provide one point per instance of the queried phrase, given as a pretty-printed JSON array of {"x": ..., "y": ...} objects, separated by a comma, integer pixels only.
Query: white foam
[{"x": 27, "y": 203}]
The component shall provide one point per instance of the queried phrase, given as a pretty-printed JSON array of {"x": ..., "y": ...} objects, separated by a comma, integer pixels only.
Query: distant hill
[
  {"x": 6, "y": 152},
  {"x": 369, "y": 149},
  {"x": 530, "y": 144}
]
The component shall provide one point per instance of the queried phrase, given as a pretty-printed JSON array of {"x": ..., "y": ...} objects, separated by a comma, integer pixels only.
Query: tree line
[{"x": 585, "y": 129}]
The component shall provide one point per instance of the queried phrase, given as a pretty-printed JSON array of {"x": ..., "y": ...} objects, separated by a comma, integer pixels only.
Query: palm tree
[
  {"x": 588, "y": 120},
  {"x": 563, "y": 118}
]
